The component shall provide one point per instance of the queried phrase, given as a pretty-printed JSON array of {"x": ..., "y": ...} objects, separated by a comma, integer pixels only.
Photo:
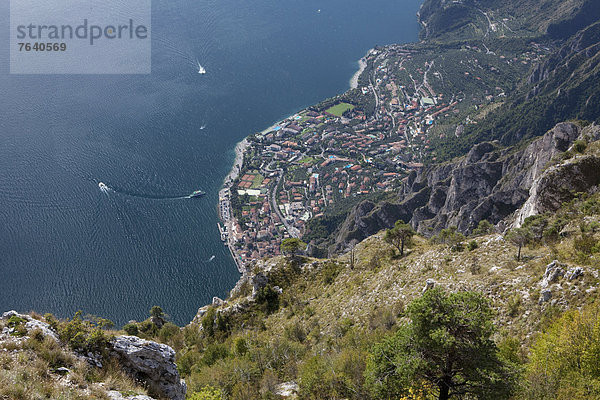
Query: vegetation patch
[{"x": 339, "y": 109}]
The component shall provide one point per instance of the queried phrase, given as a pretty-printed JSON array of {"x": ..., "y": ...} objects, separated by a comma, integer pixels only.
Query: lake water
[{"x": 65, "y": 245}]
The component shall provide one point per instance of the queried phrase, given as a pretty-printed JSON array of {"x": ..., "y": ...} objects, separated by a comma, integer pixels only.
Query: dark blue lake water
[{"x": 65, "y": 245}]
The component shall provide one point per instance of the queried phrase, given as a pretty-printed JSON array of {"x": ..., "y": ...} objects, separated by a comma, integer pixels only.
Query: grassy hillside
[
  {"x": 318, "y": 332},
  {"x": 37, "y": 364}
]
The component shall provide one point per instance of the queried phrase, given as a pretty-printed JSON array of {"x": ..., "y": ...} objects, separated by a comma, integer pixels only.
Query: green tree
[
  {"x": 131, "y": 329},
  {"x": 207, "y": 393},
  {"x": 564, "y": 361},
  {"x": 291, "y": 246},
  {"x": 519, "y": 237},
  {"x": 316, "y": 380},
  {"x": 537, "y": 225},
  {"x": 157, "y": 316},
  {"x": 399, "y": 236},
  {"x": 447, "y": 345},
  {"x": 483, "y": 228},
  {"x": 451, "y": 237}
]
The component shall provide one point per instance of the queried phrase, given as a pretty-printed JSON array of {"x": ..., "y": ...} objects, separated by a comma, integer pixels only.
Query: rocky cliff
[
  {"x": 123, "y": 369},
  {"x": 490, "y": 183},
  {"x": 152, "y": 363}
]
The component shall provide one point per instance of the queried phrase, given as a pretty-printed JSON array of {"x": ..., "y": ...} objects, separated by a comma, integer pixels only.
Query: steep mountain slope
[
  {"x": 498, "y": 170},
  {"x": 564, "y": 86},
  {"x": 495, "y": 18},
  {"x": 488, "y": 183},
  {"x": 292, "y": 320}
]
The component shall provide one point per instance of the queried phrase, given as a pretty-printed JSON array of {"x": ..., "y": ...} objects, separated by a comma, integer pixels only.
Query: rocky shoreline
[
  {"x": 240, "y": 150},
  {"x": 362, "y": 65}
]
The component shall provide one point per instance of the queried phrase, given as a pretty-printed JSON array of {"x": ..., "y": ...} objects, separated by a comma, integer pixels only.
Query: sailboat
[{"x": 201, "y": 69}]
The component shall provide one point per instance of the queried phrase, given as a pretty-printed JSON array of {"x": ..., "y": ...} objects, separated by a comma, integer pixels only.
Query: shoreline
[
  {"x": 240, "y": 152},
  {"x": 362, "y": 65}
]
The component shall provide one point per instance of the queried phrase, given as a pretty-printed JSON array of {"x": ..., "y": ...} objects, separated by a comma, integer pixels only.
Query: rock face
[
  {"x": 574, "y": 273},
  {"x": 488, "y": 183},
  {"x": 554, "y": 271},
  {"x": 31, "y": 324},
  {"x": 114, "y": 395},
  {"x": 259, "y": 282},
  {"x": 545, "y": 296},
  {"x": 429, "y": 284},
  {"x": 152, "y": 363},
  {"x": 558, "y": 183}
]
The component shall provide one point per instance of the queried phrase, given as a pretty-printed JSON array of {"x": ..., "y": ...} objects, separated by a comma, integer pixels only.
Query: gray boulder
[
  {"x": 287, "y": 389},
  {"x": 574, "y": 273},
  {"x": 114, "y": 395},
  {"x": 429, "y": 284},
  {"x": 554, "y": 271},
  {"x": 152, "y": 363},
  {"x": 259, "y": 281},
  {"x": 545, "y": 296},
  {"x": 31, "y": 324}
]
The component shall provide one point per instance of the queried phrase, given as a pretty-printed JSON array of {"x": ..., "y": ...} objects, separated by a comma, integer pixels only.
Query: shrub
[
  {"x": 564, "y": 359},
  {"x": 451, "y": 237},
  {"x": 240, "y": 346},
  {"x": 207, "y": 393},
  {"x": 131, "y": 329},
  {"x": 586, "y": 243},
  {"x": 84, "y": 336},
  {"x": 148, "y": 328},
  {"x": 168, "y": 331},
  {"x": 186, "y": 362},
  {"x": 375, "y": 262},
  {"x": 458, "y": 247},
  {"x": 18, "y": 326},
  {"x": 483, "y": 228},
  {"x": 295, "y": 332},
  {"x": 472, "y": 245},
  {"x": 269, "y": 299},
  {"x": 208, "y": 322},
  {"x": 330, "y": 271},
  {"x": 213, "y": 353},
  {"x": 316, "y": 379},
  {"x": 514, "y": 303},
  {"x": 579, "y": 146}
]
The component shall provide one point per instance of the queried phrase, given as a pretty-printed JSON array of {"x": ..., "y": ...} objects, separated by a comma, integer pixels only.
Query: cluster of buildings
[{"x": 362, "y": 143}]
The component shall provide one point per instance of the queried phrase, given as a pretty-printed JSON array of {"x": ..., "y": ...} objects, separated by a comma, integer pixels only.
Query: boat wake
[
  {"x": 201, "y": 69},
  {"x": 104, "y": 188}
]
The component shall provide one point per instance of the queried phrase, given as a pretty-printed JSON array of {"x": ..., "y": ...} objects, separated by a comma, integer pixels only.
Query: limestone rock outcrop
[
  {"x": 554, "y": 271},
  {"x": 114, "y": 395},
  {"x": 490, "y": 182},
  {"x": 31, "y": 324},
  {"x": 152, "y": 363}
]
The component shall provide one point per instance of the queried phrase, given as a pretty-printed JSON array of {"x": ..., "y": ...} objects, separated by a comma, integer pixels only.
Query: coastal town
[{"x": 354, "y": 146}]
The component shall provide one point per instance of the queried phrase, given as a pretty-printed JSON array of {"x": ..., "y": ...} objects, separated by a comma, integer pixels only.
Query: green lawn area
[
  {"x": 307, "y": 160},
  {"x": 258, "y": 180},
  {"x": 340, "y": 109}
]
